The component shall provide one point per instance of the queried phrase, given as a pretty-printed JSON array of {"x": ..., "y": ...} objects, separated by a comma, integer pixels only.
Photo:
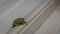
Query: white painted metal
[
  {"x": 38, "y": 10},
  {"x": 31, "y": 28},
  {"x": 19, "y": 8},
  {"x": 38, "y": 3},
  {"x": 52, "y": 24}
]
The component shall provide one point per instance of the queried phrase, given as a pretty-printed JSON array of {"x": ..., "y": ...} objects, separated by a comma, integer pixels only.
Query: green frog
[{"x": 18, "y": 21}]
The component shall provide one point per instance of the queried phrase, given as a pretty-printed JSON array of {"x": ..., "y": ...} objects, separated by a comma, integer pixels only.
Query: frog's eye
[{"x": 13, "y": 26}]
